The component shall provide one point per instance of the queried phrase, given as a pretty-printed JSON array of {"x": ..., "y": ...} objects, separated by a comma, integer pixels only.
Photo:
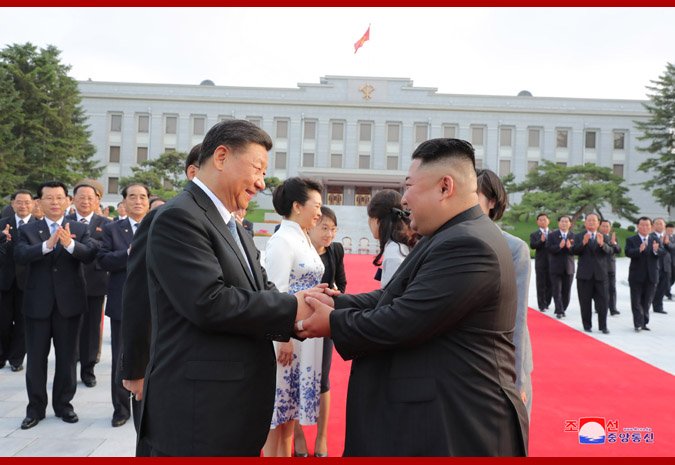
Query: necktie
[
  {"x": 20, "y": 223},
  {"x": 84, "y": 221},
  {"x": 232, "y": 226},
  {"x": 53, "y": 227},
  {"x": 134, "y": 226},
  {"x": 564, "y": 236}
]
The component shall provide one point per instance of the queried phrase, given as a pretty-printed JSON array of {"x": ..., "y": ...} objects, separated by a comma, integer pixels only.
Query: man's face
[
  {"x": 53, "y": 202},
  {"x": 659, "y": 226},
  {"x": 121, "y": 209},
  {"x": 591, "y": 223},
  {"x": 564, "y": 224},
  {"x": 85, "y": 200},
  {"x": 644, "y": 227},
  {"x": 670, "y": 231},
  {"x": 542, "y": 222},
  {"x": 137, "y": 203},
  {"x": 421, "y": 198},
  {"x": 243, "y": 176},
  {"x": 23, "y": 205},
  {"x": 605, "y": 227}
]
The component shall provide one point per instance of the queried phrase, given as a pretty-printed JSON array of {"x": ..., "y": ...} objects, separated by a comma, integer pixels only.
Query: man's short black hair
[
  {"x": 52, "y": 184},
  {"x": 126, "y": 189},
  {"x": 540, "y": 214},
  {"x": 565, "y": 216},
  {"x": 644, "y": 218},
  {"x": 435, "y": 150},
  {"x": 193, "y": 157},
  {"x": 234, "y": 134},
  {"x": 20, "y": 191}
]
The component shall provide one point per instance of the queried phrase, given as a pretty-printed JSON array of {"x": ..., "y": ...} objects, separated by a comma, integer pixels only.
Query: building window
[
  {"x": 533, "y": 138},
  {"x": 393, "y": 133},
  {"x": 362, "y": 196},
  {"x": 114, "y": 156},
  {"x": 392, "y": 163},
  {"x": 561, "y": 136},
  {"x": 591, "y": 139},
  {"x": 308, "y": 160},
  {"x": 421, "y": 133},
  {"x": 143, "y": 124},
  {"x": 364, "y": 162},
  {"x": 141, "y": 154},
  {"x": 282, "y": 129},
  {"x": 337, "y": 131},
  {"x": 113, "y": 185},
  {"x": 280, "y": 160},
  {"x": 335, "y": 195},
  {"x": 115, "y": 123},
  {"x": 365, "y": 132},
  {"x": 562, "y": 163},
  {"x": 336, "y": 160},
  {"x": 255, "y": 121},
  {"x": 618, "y": 169},
  {"x": 477, "y": 135},
  {"x": 198, "y": 125},
  {"x": 171, "y": 125},
  {"x": 532, "y": 166},
  {"x": 310, "y": 130},
  {"x": 505, "y": 137},
  {"x": 504, "y": 168},
  {"x": 619, "y": 140},
  {"x": 449, "y": 132}
]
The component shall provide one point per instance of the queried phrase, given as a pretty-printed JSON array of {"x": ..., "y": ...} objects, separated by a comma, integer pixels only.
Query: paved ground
[{"x": 93, "y": 435}]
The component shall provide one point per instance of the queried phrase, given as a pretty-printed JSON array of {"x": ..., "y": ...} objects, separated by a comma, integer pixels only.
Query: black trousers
[
  {"x": 12, "y": 333},
  {"x": 661, "y": 290},
  {"x": 611, "y": 292},
  {"x": 641, "y": 295},
  {"x": 90, "y": 335},
  {"x": 120, "y": 396},
  {"x": 39, "y": 335},
  {"x": 593, "y": 290},
  {"x": 544, "y": 293},
  {"x": 561, "y": 287}
]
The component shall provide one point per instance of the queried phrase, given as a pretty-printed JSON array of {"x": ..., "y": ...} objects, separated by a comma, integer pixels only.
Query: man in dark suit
[
  {"x": 446, "y": 317},
  {"x": 643, "y": 273},
  {"x": 112, "y": 256},
  {"x": 86, "y": 197},
  {"x": 538, "y": 243},
  {"x": 670, "y": 231},
  {"x": 136, "y": 324},
  {"x": 561, "y": 264},
  {"x": 615, "y": 249},
  {"x": 53, "y": 249},
  {"x": 592, "y": 248},
  {"x": 214, "y": 313},
  {"x": 12, "y": 277},
  {"x": 665, "y": 264}
]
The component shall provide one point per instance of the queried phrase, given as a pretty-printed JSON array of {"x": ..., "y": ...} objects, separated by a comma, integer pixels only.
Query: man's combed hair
[
  {"x": 193, "y": 157},
  {"x": 52, "y": 184},
  {"x": 234, "y": 134},
  {"x": 435, "y": 150}
]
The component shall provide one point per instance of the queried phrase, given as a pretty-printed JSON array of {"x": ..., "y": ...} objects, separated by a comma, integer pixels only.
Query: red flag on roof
[{"x": 359, "y": 43}]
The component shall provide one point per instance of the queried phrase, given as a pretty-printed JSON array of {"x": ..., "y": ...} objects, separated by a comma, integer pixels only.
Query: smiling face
[
  {"x": 53, "y": 202},
  {"x": 592, "y": 222},
  {"x": 323, "y": 234},
  {"x": 85, "y": 200},
  {"x": 564, "y": 224},
  {"x": 23, "y": 205},
  {"x": 137, "y": 202},
  {"x": 307, "y": 215},
  {"x": 241, "y": 174},
  {"x": 422, "y": 197}
]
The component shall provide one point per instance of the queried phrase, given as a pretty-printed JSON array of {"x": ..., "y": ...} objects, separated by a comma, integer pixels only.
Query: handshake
[{"x": 314, "y": 307}]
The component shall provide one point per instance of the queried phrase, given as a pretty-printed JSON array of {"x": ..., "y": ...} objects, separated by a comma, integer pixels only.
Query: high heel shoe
[
  {"x": 300, "y": 454},
  {"x": 320, "y": 455}
]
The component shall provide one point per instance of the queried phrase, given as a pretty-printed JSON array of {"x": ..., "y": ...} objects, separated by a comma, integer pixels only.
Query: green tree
[
  {"x": 659, "y": 133},
  {"x": 50, "y": 125},
  {"x": 164, "y": 175},
  {"x": 11, "y": 153},
  {"x": 574, "y": 190}
]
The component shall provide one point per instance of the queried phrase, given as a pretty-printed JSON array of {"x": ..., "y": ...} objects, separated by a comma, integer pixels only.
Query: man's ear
[
  {"x": 220, "y": 156},
  {"x": 447, "y": 185}
]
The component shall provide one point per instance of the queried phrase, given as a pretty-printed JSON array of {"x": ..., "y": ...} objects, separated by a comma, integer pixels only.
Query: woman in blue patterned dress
[{"x": 293, "y": 264}]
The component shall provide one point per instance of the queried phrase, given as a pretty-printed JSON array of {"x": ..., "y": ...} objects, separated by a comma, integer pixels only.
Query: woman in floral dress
[{"x": 293, "y": 264}]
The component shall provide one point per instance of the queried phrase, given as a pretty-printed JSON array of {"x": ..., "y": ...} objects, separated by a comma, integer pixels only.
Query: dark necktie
[
  {"x": 84, "y": 221},
  {"x": 20, "y": 223},
  {"x": 232, "y": 226}
]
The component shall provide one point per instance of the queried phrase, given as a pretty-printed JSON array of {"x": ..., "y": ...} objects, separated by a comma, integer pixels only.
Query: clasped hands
[
  {"x": 61, "y": 235},
  {"x": 314, "y": 308}
]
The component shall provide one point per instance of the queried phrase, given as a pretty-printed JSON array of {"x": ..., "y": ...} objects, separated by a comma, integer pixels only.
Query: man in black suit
[
  {"x": 561, "y": 264},
  {"x": 210, "y": 382},
  {"x": 538, "y": 243},
  {"x": 665, "y": 264},
  {"x": 136, "y": 324},
  {"x": 592, "y": 248},
  {"x": 670, "y": 231},
  {"x": 643, "y": 273},
  {"x": 12, "y": 277},
  {"x": 113, "y": 256},
  {"x": 53, "y": 249},
  {"x": 86, "y": 197},
  {"x": 432, "y": 353},
  {"x": 615, "y": 249}
]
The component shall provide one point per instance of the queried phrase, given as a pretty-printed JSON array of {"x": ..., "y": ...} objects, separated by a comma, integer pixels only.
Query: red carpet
[{"x": 575, "y": 376}]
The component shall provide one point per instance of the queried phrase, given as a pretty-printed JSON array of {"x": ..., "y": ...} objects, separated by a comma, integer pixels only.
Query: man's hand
[
  {"x": 64, "y": 235},
  {"x": 317, "y": 325},
  {"x": 6, "y": 232},
  {"x": 285, "y": 356},
  {"x": 655, "y": 246},
  {"x": 643, "y": 246},
  {"x": 600, "y": 238},
  {"x": 53, "y": 239},
  {"x": 543, "y": 237},
  {"x": 135, "y": 386},
  {"x": 587, "y": 237},
  {"x": 570, "y": 243},
  {"x": 613, "y": 241},
  {"x": 563, "y": 243}
]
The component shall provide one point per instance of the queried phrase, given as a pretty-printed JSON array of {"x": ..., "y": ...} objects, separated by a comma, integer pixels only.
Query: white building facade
[{"x": 356, "y": 134}]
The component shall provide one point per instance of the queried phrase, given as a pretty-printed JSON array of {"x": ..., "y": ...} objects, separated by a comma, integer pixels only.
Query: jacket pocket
[{"x": 214, "y": 370}]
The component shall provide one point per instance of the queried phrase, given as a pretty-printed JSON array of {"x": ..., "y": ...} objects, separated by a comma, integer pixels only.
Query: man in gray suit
[{"x": 433, "y": 353}]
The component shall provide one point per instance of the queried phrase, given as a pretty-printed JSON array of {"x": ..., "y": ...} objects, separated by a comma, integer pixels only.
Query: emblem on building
[{"x": 367, "y": 91}]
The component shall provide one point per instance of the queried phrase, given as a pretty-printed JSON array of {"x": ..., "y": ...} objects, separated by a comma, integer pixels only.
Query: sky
[{"x": 553, "y": 52}]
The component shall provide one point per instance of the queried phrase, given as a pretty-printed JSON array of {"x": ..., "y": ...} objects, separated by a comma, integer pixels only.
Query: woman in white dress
[
  {"x": 390, "y": 225},
  {"x": 293, "y": 264}
]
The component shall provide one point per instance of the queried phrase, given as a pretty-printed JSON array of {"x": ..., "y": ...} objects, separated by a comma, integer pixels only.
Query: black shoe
[
  {"x": 542, "y": 310},
  {"x": 2, "y": 364},
  {"x": 558, "y": 315},
  {"x": 644, "y": 328},
  {"x": 89, "y": 381},
  {"x": 118, "y": 421},
  {"x": 564, "y": 314},
  {"x": 605, "y": 331},
  {"x": 29, "y": 422},
  {"x": 69, "y": 416},
  {"x": 615, "y": 312},
  {"x": 661, "y": 311},
  {"x": 16, "y": 368},
  {"x": 588, "y": 330},
  {"x": 638, "y": 329}
]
